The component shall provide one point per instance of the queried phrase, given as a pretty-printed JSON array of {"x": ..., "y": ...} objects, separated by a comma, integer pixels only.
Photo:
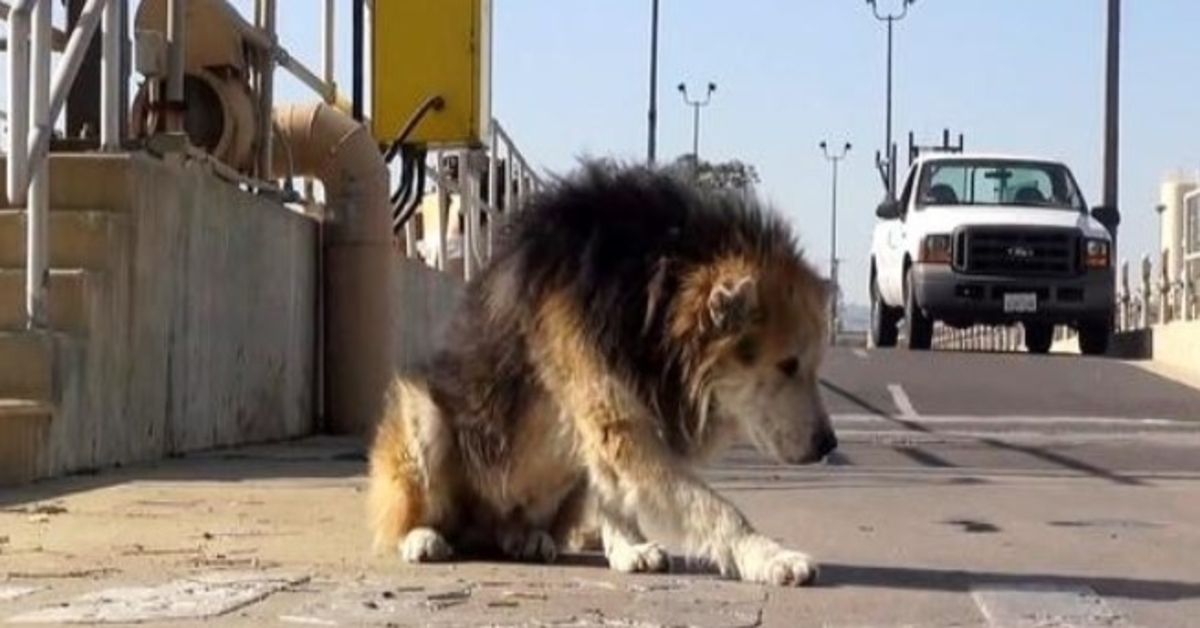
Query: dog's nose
[{"x": 826, "y": 442}]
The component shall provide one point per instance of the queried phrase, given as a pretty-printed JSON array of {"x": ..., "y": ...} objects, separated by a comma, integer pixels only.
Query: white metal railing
[
  {"x": 483, "y": 210},
  {"x": 1161, "y": 298},
  {"x": 36, "y": 99}
]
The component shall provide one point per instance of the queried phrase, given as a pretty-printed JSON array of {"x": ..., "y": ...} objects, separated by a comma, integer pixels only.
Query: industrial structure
[{"x": 190, "y": 264}]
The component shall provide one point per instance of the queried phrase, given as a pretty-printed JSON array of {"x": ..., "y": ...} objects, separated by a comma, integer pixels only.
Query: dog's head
[{"x": 767, "y": 324}]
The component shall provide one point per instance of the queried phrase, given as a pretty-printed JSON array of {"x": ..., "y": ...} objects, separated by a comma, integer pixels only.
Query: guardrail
[{"x": 1159, "y": 299}]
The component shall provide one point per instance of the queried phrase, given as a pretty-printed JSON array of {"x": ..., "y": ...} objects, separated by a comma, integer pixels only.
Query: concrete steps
[
  {"x": 86, "y": 181},
  {"x": 78, "y": 238},
  {"x": 27, "y": 366},
  {"x": 23, "y": 426},
  {"x": 67, "y": 299},
  {"x": 89, "y": 196}
]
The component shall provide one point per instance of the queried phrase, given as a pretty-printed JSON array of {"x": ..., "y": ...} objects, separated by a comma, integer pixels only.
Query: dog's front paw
[
  {"x": 639, "y": 558},
  {"x": 425, "y": 545},
  {"x": 790, "y": 568},
  {"x": 534, "y": 545},
  {"x": 762, "y": 560}
]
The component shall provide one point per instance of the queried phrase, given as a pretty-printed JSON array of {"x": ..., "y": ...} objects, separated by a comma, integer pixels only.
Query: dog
[{"x": 629, "y": 328}]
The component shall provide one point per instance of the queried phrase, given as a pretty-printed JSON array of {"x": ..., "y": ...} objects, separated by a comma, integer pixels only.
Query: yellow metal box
[{"x": 423, "y": 48}]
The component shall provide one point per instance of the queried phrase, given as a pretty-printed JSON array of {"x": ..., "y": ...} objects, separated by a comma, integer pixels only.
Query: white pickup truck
[{"x": 994, "y": 240}]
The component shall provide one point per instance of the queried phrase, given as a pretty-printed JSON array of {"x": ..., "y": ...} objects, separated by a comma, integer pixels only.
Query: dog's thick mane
[{"x": 619, "y": 243}]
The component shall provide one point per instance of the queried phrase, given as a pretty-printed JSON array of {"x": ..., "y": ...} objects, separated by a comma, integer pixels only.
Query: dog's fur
[{"x": 627, "y": 329}]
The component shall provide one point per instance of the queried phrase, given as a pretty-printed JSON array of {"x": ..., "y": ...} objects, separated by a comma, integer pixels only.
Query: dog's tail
[{"x": 397, "y": 472}]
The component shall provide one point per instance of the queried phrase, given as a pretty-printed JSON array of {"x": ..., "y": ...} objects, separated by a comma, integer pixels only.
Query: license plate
[{"x": 1020, "y": 302}]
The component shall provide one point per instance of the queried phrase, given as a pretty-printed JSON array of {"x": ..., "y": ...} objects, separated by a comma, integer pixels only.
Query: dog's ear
[{"x": 733, "y": 303}]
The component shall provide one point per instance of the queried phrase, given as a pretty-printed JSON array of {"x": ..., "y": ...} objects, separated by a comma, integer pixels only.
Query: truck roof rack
[{"x": 915, "y": 150}]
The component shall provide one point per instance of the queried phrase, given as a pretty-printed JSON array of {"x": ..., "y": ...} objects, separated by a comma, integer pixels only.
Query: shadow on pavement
[
  {"x": 843, "y": 575},
  {"x": 313, "y": 457},
  {"x": 1040, "y": 453}
]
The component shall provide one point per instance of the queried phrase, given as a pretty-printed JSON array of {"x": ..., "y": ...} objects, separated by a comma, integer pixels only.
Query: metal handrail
[{"x": 36, "y": 100}]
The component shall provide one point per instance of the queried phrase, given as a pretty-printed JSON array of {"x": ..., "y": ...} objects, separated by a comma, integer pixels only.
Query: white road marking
[
  {"x": 862, "y": 353},
  {"x": 903, "y": 403},
  {"x": 1034, "y": 606},
  {"x": 1041, "y": 421}
]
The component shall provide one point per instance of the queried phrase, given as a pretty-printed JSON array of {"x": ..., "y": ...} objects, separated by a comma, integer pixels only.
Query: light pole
[
  {"x": 834, "y": 309},
  {"x": 889, "y": 175},
  {"x": 696, "y": 105},
  {"x": 651, "y": 131},
  {"x": 1108, "y": 213}
]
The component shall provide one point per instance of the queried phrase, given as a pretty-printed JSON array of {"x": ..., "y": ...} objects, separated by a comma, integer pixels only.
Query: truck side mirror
[
  {"x": 1107, "y": 216},
  {"x": 888, "y": 209}
]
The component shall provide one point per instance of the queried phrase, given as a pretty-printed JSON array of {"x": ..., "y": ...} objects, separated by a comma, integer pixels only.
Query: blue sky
[
  {"x": 1016, "y": 75},
  {"x": 571, "y": 78}
]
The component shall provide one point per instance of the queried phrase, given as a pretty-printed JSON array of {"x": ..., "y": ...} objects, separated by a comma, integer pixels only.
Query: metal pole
[
  {"x": 38, "y": 232},
  {"x": 1112, "y": 109},
  {"x": 888, "y": 150},
  {"x": 327, "y": 40},
  {"x": 696, "y": 134},
  {"x": 266, "y": 102},
  {"x": 696, "y": 105},
  {"x": 652, "y": 131},
  {"x": 891, "y": 154},
  {"x": 18, "y": 101},
  {"x": 110, "y": 75},
  {"x": 835, "y": 310},
  {"x": 176, "y": 46},
  {"x": 358, "y": 35}
]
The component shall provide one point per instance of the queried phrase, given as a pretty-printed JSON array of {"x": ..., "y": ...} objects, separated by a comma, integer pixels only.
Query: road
[{"x": 970, "y": 490}]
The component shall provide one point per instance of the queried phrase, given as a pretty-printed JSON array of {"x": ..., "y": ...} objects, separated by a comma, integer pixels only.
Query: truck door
[{"x": 891, "y": 269}]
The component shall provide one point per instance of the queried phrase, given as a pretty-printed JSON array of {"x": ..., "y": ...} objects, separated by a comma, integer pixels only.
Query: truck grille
[{"x": 1016, "y": 251}]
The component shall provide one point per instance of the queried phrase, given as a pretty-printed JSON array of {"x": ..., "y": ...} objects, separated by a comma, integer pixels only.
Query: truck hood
[{"x": 945, "y": 218}]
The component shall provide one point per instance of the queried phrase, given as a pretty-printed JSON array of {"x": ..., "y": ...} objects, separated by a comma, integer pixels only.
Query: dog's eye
[{"x": 789, "y": 366}]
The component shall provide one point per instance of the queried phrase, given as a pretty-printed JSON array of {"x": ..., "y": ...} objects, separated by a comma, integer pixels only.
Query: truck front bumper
[{"x": 981, "y": 299}]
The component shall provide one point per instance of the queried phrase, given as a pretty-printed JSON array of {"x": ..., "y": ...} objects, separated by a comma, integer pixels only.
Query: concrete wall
[
  {"x": 1176, "y": 346},
  {"x": 201, "y": 325},
  {"x": 425, "y": 300}
]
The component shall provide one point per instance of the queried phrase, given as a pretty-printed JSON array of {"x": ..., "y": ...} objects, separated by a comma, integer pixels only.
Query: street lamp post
[
  {"x": 834, "y": 305},
  {"x": 696, "y": 105},
  {"x": 889, "y": 175},
  {"x": 651, "y": 131}
]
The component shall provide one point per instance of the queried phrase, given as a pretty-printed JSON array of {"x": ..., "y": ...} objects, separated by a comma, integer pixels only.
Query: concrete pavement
[{"x": 941, "y": 509}]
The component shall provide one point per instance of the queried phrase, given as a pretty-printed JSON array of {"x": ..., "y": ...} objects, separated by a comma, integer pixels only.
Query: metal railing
[
  {"x": 36, "y": 99},
  {"x": 1161, "y": 298},
  {"x": 489, "y": 187}
]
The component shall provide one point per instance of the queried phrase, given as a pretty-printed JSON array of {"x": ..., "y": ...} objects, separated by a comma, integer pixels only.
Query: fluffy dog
[{"x": 629, "y": 327}]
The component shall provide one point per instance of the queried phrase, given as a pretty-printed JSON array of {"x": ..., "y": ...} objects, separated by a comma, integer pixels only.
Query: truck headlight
[
  {"x": 936, "y": 249},
  {"x": 1096, "y": 253}
]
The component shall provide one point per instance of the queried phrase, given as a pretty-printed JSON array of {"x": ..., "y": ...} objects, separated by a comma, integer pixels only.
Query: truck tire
[
  {"x": 918, "y": 329},
  {"x": 1093, "y": 336},
  {"x": 883, "y": 330},
  {"x": 1038, "y": 337}
]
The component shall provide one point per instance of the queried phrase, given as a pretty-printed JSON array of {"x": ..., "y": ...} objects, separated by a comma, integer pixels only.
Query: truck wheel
[
  {"x": 883, "y": 321},
  {"x": 1093, "y": 337},
  {"x": 918, "y": 329},
  {"x": 1038, "y": 337}
]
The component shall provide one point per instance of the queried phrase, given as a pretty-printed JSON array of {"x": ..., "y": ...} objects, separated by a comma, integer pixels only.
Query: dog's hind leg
[{"x": 407, "y": 512}]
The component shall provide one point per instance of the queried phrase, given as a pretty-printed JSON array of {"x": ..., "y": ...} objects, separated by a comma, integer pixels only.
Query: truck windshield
[{"x": 999, "y": 182}]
